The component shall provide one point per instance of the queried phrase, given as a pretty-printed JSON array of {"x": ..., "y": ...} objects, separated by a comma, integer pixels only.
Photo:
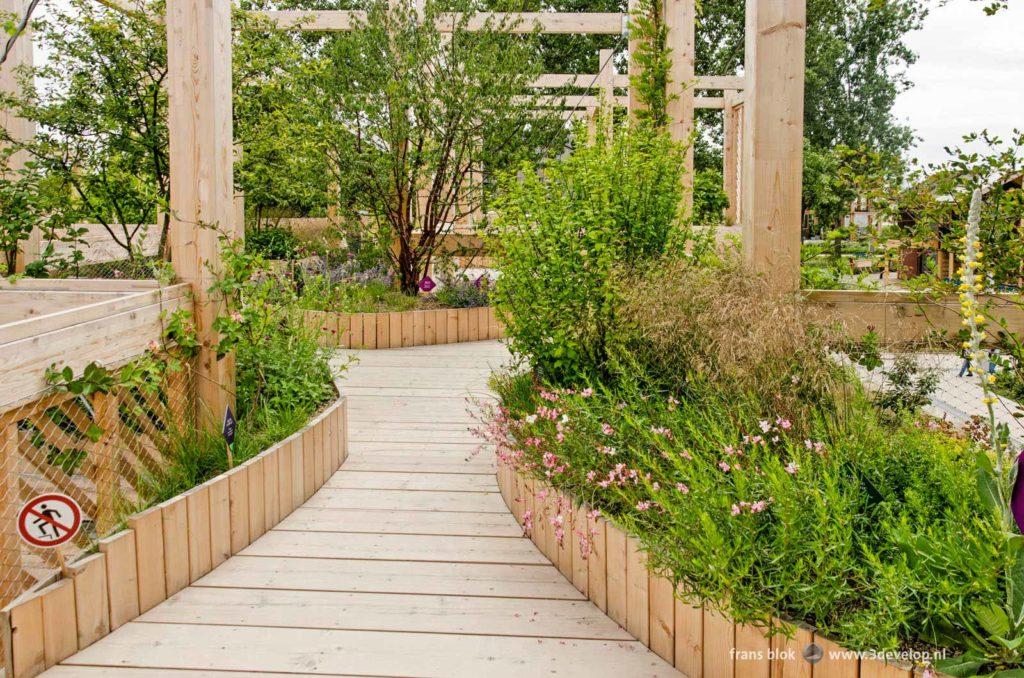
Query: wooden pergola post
[
  {"x": 730, "y": 125},
  {"x": 19, "y": 128},
  {"x": 773, "y": 129},
  {"x": 635, "y": 70},
  {"x": 680, "y": 22},
  {"x": 606, "y": 83},
  {"x": 202, "y": 186}
]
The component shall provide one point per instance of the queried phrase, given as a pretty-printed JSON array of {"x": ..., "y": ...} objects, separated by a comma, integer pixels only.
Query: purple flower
[
  {"x": 427, "y": 284},
  {"x": 478, "y": 282}
]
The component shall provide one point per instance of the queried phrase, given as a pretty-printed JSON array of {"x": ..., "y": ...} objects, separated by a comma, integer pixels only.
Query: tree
[{"x": 415, "y": 122}]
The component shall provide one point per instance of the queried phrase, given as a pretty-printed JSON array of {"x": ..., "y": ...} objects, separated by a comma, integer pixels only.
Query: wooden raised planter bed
[
  {"x": 698, "y": 641},
  {"x": 170, "y": 546},
  {"x": 405, "y": 328}
]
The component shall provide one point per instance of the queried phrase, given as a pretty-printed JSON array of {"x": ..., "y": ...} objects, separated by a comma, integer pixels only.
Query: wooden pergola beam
[
  {"x": 593, "y": 23},
  {"x": 583, "y": 80},
  {"x": 722, "y": 82}
]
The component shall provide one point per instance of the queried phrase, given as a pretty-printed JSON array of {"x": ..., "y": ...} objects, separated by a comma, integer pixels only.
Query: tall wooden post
[
  {"x": 11, "y": 576},
  {"x": 202, "y": 188},
  {"x": 634, "y": 68},
  {"x": 773, "y": 138},
  {"x": 680, "y": 22},
  {"x": 606, "y": 83},
  {"x": 731, "y": 131},
  {"x": 19, "y": 128}
]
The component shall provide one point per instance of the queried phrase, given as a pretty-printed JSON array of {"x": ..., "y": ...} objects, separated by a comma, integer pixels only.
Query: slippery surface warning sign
[{"x": 49, "y": 520}]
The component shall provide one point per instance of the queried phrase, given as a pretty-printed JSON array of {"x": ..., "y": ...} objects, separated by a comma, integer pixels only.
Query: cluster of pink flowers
[
  {"x": 550, "y": 397},
  {"x": 751, "y": 507},
  {"x": 661, "y": 431},
  {"x": 553, "y": 464},
  {"x": 682, "y": 488},
  {"x": 607, "y": 429},
  {"x": 608, "y": 450},
  {"x": 792, "y": 467},
  {"x": 619, "y": 476},
  {"x": 815, "y": 446}
]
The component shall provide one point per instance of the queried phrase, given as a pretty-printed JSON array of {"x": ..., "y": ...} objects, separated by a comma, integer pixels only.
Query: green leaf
[
  {"x": 992, "y": 618},
  {"x": 962, "y": 666}
]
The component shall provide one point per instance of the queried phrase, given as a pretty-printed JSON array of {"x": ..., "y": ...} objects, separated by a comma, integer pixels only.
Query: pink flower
[
  {"x": 737, "y": 509},
  {"x": 643, "y": 505},
  {"x": 724, "y": 466},
  {"x": 153, "y": 345},
  {"x": 683, "y": 489},
  {"x": 236, "y": 316},
  {"x": 765, "y": 426},
  {"x": 685, "y": 454},
  {"x": 606, "y": 429},
  {"x": 758, "y": 506},
  {"x": 784, "y": 424},
  {"x": 586, "y": 393},
  {"x": 792, "y": 467}
]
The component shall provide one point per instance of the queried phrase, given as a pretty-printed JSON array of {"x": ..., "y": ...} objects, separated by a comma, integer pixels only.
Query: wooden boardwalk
[{"x": 407, "y": 563}]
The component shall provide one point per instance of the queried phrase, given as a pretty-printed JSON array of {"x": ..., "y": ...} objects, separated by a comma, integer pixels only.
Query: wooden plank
[
  {"x": 91, "y": 608},
  {"x": 662, "y": 603},
  {"x": 394, "y": 576},
  {"x": 429, "y": 328},
  {"x": 309, "y": 452},
  {"x": 382, "y": 321},
  {"x": 219, "y": 495},
  {"x": 355, "y": 322},
  {"x": 876, "y": 668},
  {"x": 149, "y": 551},
  {"x": 344, "y": 330},
  {"x": 319, "y": 455},
  {"x": 420, "y": 500},
  {"x": 298, "y": 471},
  {"x": 200, "y": 543},
  {"x": 453, "y": 326},
  {"x": 429, "y": 548},
  {"x": 122, "y": 577},
  {"x": 60, "y": 626},
  {"x": 834, "y": 663},
  {"x": 597, "y": 577},
  {"x": 637, "y": 592},
  {"x": 284, "y": 480},
  {"x": 307, "y": 519},
  {"x": 441, "y": 326},
  {"x": 605, "y": 23},
  {"x": 730, "y": 156},
  {"x": 752, "y": 653},
  {"x": 343, "y": 431},
  {"x": 394, "y": 320},
  {"x": 257, "y": 504},
  {"x": 474, "y": 324},
  {"x": 174, "y": 517},
  {"x": 238, "y": 486},
  {"x": 565, "y": 551},
  {"x": 407, "y": 321},
  {"x": 787, "y": 656},
  {"x": 389, "y": 612},
  {"x": 438, "y": 482},
  {"x": 689, "y": 637},
  {"x": 271, "y": 499},
  {"x": 581, "y": 544},
  {"x": 28, "y": 649},
  {"x": 317, "y": 651},
  {"x": 719, "y": 645},
  {"x": 615, "y": 565}
]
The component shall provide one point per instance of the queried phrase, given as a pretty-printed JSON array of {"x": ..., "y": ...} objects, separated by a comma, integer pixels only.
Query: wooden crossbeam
[
  {"x": 595, "y": 23},
  {"x": 709, "y": 102},
  {"x": 723, "y": 82},
  {"x": 571, "y": 101},
  {"x": 585, "y": 80}
]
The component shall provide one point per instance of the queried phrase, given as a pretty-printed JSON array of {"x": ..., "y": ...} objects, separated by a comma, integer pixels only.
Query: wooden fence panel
[{"x": 122, "y": 577}]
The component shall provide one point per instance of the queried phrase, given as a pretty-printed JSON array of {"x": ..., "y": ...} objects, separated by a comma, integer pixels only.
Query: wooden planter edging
[
  {"x": 170, "y": 546},
  {"x": 698, "y": 641},
  {"x": 405, "y": 328}
]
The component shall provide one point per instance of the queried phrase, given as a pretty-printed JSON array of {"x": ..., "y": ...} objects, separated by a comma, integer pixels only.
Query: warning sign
[{"x": 49, "y": 520}]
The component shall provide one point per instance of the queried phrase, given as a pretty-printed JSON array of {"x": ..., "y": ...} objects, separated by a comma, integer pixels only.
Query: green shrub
[
  {"x": 272, "y": 242},
  {"x": 565, "y": 233},
  {"x": 762, "y": 520}
]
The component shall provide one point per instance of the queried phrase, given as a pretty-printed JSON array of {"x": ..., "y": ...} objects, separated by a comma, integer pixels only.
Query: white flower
[{"x": 531, "y": 419}]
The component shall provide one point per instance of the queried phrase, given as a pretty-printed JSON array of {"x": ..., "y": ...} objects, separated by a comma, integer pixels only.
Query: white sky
[{"x": 969, "y": 76}]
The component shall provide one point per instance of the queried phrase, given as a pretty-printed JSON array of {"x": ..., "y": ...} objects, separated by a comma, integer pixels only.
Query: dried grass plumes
[{"x": 726, "y": 328}]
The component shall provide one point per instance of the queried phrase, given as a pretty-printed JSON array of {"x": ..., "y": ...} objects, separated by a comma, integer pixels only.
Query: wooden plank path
[{"x": 407, "y": 563}]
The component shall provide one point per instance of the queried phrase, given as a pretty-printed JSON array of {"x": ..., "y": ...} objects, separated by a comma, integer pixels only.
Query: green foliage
[
  {"x": 279, "y": 365},
  {"x": 760, "y": 520},
  {"x": 709, "y": 198},
  {"x": 565, "y": 234},
  {"x": 272, "y": 242},
  {"x": 653, "y": 59},
  {"x": 908, "y": 388}
]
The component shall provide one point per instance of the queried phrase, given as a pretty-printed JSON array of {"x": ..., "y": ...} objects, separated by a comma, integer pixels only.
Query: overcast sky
[{"x": 969, "y": 76}]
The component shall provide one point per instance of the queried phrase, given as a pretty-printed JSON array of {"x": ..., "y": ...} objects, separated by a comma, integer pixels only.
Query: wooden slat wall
[
  {"x": 698, "y": 641},
  {"x": 169, "y": 546},
  {"x": 406, "y": 328}
]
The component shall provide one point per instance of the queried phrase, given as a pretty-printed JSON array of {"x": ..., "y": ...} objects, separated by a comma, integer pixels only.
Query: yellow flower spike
[
  {"x": 979, "y": 319},
  {"x": 967, "y": 344},
  {"x": 991, "y": 378}
]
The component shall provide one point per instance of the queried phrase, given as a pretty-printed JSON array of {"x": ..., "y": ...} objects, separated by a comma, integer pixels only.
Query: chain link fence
[{"x": 104, "y": 450}]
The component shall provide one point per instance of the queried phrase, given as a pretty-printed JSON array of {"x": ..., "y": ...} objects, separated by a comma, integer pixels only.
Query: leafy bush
[
  {"x": 461, "y": 292},
  {"x": 565, "y": 234},
  {"x": 272, "y": 242},
  {"x": 762, "y": 520},
  {"x": 709, "y": 198}
]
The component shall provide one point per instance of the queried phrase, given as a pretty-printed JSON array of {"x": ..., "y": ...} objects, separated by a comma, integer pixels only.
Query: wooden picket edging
[
  {"x": 399, "y": 329},
  {"x": 699, "y": 641},
  {"x": 169, "y": 546}
]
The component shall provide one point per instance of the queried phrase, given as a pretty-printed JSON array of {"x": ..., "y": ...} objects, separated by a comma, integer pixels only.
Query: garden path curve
[{"x": 406, "y": 563}]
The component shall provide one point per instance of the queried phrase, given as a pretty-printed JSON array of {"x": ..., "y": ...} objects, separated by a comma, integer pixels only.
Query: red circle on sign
[{"x": 38, "y": 520}]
